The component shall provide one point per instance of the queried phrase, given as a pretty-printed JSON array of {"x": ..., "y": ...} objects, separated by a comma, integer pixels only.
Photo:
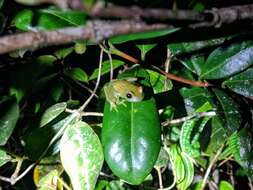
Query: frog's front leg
[{"x": 110, "y": 97}]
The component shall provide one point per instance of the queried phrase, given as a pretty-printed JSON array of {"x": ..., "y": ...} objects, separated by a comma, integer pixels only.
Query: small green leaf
[
  {"x": 131, "y": 139},
  {"x": 163, "y": 158},
  {"x": 224, "y": 185},
  {"x": 72, "y": 17},
  {"x": 77, "y": 74},
  {"x": 23, "y": 20},
  {"x": 187, "y": 47},
  {"x": 241, "y": 83},
  {"x": 9, "y": 114},
  {"x": 57, "y": 91},
  {"x": 194, "y": 63},
  {"x": 4, "y": 157},
  {"x": 106, "y": 68},
  {"x": 52, "y": 112},
  {"x": 80, "y": 47},
  {"x": 116, "y": 185},
  {"x": 63, "y": 53},
  {"x": 188, "y": 172},
  {"x": 228, "y": 112},
  {"x": 142, "y": 35},
  {"x": 145, "y": 48},
  {"x": 190, "y": 134},
  {"x": 81, "y": 155},
  {"x": 224, "y": 62},
  {"x": 49, "y": 181},
  {"x": 159, "y": 82}
]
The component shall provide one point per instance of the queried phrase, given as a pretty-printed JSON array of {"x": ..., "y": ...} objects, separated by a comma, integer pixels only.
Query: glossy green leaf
[
  {"x": 217, "y": 137},
  {"x": 77, "y": 74},
  {"x": 187, "y": 47},
  {"x": 194, "y": 98},
  {"x": 159, "y": 82},
  {"x": 71, "y": 17},
  {"x": 23, "y": 20},
  {"x": 224, "y": 185},
  {"x": 52, "y": 112},
  {"x": 224, "y": 62},
  {"x": 131, "y": 139},
  {"x": 143, "y": 35},
  {"x": 55, "y": 18},
  {"x": 228, "y": 112},
  {"x": 9, "y": 114},
  {"x": 241, "y": 148},
  {"x": 4, "y": 157},
  {"x": 43, "y": 141},
  {"x": 145, "y": 48},
  {"x": 241, "y": 83},
  {"x": 194, "y": 63},
  {"x": 106, "y": 68},
  {"x": 81, "y": 155}
]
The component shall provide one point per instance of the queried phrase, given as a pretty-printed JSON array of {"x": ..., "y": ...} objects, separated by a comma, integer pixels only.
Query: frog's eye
[{"x": 129, "y": 95}]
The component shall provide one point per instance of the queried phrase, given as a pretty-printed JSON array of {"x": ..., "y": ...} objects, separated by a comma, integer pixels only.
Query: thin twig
[
  {"x": 250, "y": 184},
  {"x": 182, "y": 80},
  {"x": 158, "y": 170},
  {"x": 25, "y": 172},
  {"x": 210, "y": 167},
  {"x": 97, "y": 83},
  {"x": 183, "y": 119}
]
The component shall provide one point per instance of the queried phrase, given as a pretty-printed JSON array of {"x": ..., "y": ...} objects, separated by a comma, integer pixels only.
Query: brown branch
[
  {"x": 94, "y": 31},
  {"x": 113, "y": 11},
  {"x": 168, "y": 75},
  {"x": 214, "y": 17}
]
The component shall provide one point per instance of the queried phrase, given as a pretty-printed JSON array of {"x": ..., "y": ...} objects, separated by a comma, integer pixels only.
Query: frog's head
[
  {"x": 134, "y": 96},
  {"x": 129, "y": 91}
]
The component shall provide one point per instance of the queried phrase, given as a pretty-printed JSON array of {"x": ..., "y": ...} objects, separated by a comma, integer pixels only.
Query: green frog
[{"x": 120, "y": 90}]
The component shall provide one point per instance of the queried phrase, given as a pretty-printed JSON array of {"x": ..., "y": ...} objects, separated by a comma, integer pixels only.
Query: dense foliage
[{"x": 192, "y": 130}]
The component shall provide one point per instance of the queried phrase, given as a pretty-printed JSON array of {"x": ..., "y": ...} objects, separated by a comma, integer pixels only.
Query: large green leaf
[
  {"x": 42, "y": 141},
  {"x": 241, "y": 83},
  {"x": 194, "y": 98},
  {"x": 9, "y": 113},
  {"x": 131, "y": 139},
  {"x": 4, "y": 157},
  {"x": 224, "y": 62},
  {"x": 228, "y": 112},
  {"x": 240, "y": 145},
  {"x": 217, "y": 137},
  {"x": 81, "y": 155},
  {"x": 194, "y": 63},
  {"x": 142, "y": 35}
]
